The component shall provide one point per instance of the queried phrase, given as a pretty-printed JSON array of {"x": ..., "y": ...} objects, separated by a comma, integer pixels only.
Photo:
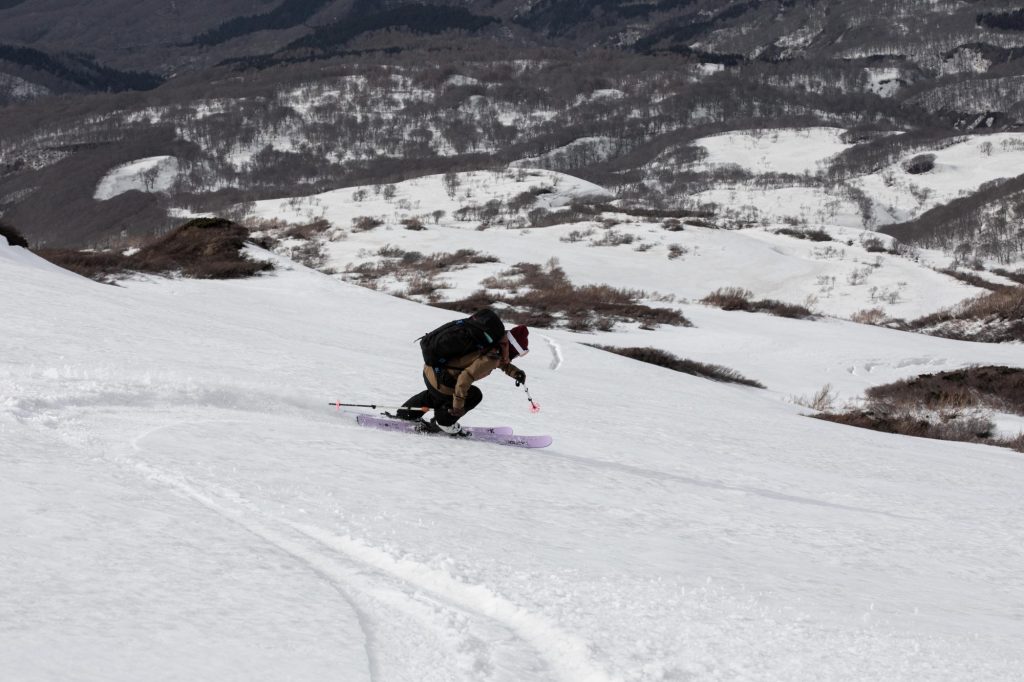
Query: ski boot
[{"x": 455, "y": 430}]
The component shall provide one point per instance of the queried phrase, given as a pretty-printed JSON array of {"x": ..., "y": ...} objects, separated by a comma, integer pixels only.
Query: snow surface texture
[
  {"x": 837, "y": 278},
  {"x": 179, "y": 503}
]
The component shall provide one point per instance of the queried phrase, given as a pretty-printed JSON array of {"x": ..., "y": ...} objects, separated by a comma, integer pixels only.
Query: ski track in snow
[
  {"x": 556, "y": 353},
  {"x": 367, "y": 573}
]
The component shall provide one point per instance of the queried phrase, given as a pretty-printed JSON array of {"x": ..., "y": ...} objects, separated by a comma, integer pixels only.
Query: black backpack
[{"x": 483, "y": 329}]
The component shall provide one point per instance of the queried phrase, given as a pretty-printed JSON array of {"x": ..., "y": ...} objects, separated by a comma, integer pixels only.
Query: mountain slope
[{"x": 181, "y": 499}]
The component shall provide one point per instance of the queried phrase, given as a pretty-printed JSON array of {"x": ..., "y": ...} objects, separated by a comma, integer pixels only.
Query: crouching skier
[{"x": 457, "y": 355}]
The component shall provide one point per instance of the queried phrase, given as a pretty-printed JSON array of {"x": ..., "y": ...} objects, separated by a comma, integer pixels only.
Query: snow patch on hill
[
  {"x": 783, "y": 150},
  {"x": 151, "y": 174}
]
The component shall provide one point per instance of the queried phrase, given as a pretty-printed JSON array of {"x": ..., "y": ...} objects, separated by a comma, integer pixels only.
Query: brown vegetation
[
  {"x": 812, "y": 235},
  {"x": 662, "y": 358},
  {"x": 206, "y": 248},
  {"x": 737, "y": 298},
  {"x": 418, "y": 271},
  {"x": 543, "y": 296},
  {"x": 997, "y": 317},
  {"x": 945, "y": 406}
]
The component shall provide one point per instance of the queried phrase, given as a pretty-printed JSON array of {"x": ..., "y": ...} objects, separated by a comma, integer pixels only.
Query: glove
[
  {"x": 520, "y": 377},
  {"x": 457, "y": 411}
]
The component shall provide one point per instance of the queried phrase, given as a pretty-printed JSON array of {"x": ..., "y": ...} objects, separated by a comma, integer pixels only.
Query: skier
[{"x": 456, "y": 356}]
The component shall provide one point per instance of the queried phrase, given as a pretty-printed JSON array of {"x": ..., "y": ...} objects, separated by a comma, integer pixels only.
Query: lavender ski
[{"x": 500, "y": 435}]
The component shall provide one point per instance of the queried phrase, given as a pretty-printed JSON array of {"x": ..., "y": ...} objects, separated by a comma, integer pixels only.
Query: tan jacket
[{"x": 459, "y": 374}]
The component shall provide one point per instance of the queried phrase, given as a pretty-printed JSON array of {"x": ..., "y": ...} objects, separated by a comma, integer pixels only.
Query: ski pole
[
  {"x": 534, "y": 407},
  {"x": 338, "y": 406}
]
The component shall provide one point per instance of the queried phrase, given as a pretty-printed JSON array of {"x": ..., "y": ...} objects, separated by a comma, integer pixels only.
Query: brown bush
[
  {"x": 737, "y": 298},
  {"x": 996, "y": 387},
  {"x": 101, "y": 266},
  {"x": 662, "y": 358},
  {"x": 970, "y": 428},
  {"x": 206, "y": 248},
  {"x": 812, "y": 235},
  {"x": 307, "y": 231},
  {"x": 875, "y": 316},
  {"x": 364, "y": 223},
  {"x": 944, "y": 406},
  {"x": 535, "y": 292},
  {"x": 1002, "y": 310},
  {"x": 973, "y": 280},
  {"x": 729, "y": 298}
]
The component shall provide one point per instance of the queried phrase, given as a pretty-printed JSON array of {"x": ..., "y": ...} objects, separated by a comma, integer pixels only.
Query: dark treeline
[
  {"x": 80, "y": 70},
  {"x": 287, "y": 14}
]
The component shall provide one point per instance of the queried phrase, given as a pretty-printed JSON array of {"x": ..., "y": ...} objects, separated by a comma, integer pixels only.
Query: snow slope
[{"x": 180, "y": 502}]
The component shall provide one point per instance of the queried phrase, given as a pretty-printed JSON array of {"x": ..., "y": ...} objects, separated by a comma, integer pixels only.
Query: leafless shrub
[
  {"x": 423, "y": 285},
  {"x": 874, "y": 316},
  {"x": 310, "y": 253},
  {"x": 874, "y": 245},
  {"x": 812, "y": 235},
  {"x": 413, "y": 224},
  {"x": 729, "y": 298},
  {"x": 822, "y": 401},
  {"x": 676, "y": 251},
  {"x": 364, "y": 223},
  {"x": 972, "y": 279},
  {"x": 542, "y": 217},
  {"x": 996, "y": 387},
  {"x": 613, "y": 238},
  {"x": 576, "y": 236},
  {"x": 1015, "y": 276},
  {"x": 531, "y": 291},
  {"x": 965, "y": 428},
  {"x": 662, "y": 358},
  {"x": 307, "y": 231},
  {"x": 1002, "y": 312},
  {"x": 389, "y": 251},
  {"x": 947, "y": 405}
]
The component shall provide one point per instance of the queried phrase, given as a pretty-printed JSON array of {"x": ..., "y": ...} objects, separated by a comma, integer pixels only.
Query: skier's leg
[
  {"x": 442, "y": 404},
  {"x": 421, "y": 399}
]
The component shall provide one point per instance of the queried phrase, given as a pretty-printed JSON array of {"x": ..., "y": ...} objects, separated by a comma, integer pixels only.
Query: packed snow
[{"x": 180, "y": 502}]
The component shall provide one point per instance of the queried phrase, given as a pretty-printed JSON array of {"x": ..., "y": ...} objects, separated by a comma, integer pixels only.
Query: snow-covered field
[{"x": 179, "y": 502}]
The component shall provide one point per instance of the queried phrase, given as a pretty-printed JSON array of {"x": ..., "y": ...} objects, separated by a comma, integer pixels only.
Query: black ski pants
[{"x": 441, "y": 403}]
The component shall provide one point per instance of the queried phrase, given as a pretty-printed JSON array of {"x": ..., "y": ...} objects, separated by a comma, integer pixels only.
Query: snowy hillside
[
  {"x": 893, "y": 194},
  {"x": 689, "y": 261},
  {"x": 181, "y": 503}
]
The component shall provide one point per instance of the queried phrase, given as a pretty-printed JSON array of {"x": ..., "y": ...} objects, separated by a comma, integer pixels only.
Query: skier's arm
[
  {"x": 475, "y": 372},
  {"x": 514, "y": 372}
]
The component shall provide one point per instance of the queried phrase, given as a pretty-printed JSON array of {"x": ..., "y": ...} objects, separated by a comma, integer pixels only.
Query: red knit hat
[{"x": 519, "y": 339}]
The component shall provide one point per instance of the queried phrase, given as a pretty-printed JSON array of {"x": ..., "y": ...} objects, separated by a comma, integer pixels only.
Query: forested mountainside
[{"x": 257, "y": 100}]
